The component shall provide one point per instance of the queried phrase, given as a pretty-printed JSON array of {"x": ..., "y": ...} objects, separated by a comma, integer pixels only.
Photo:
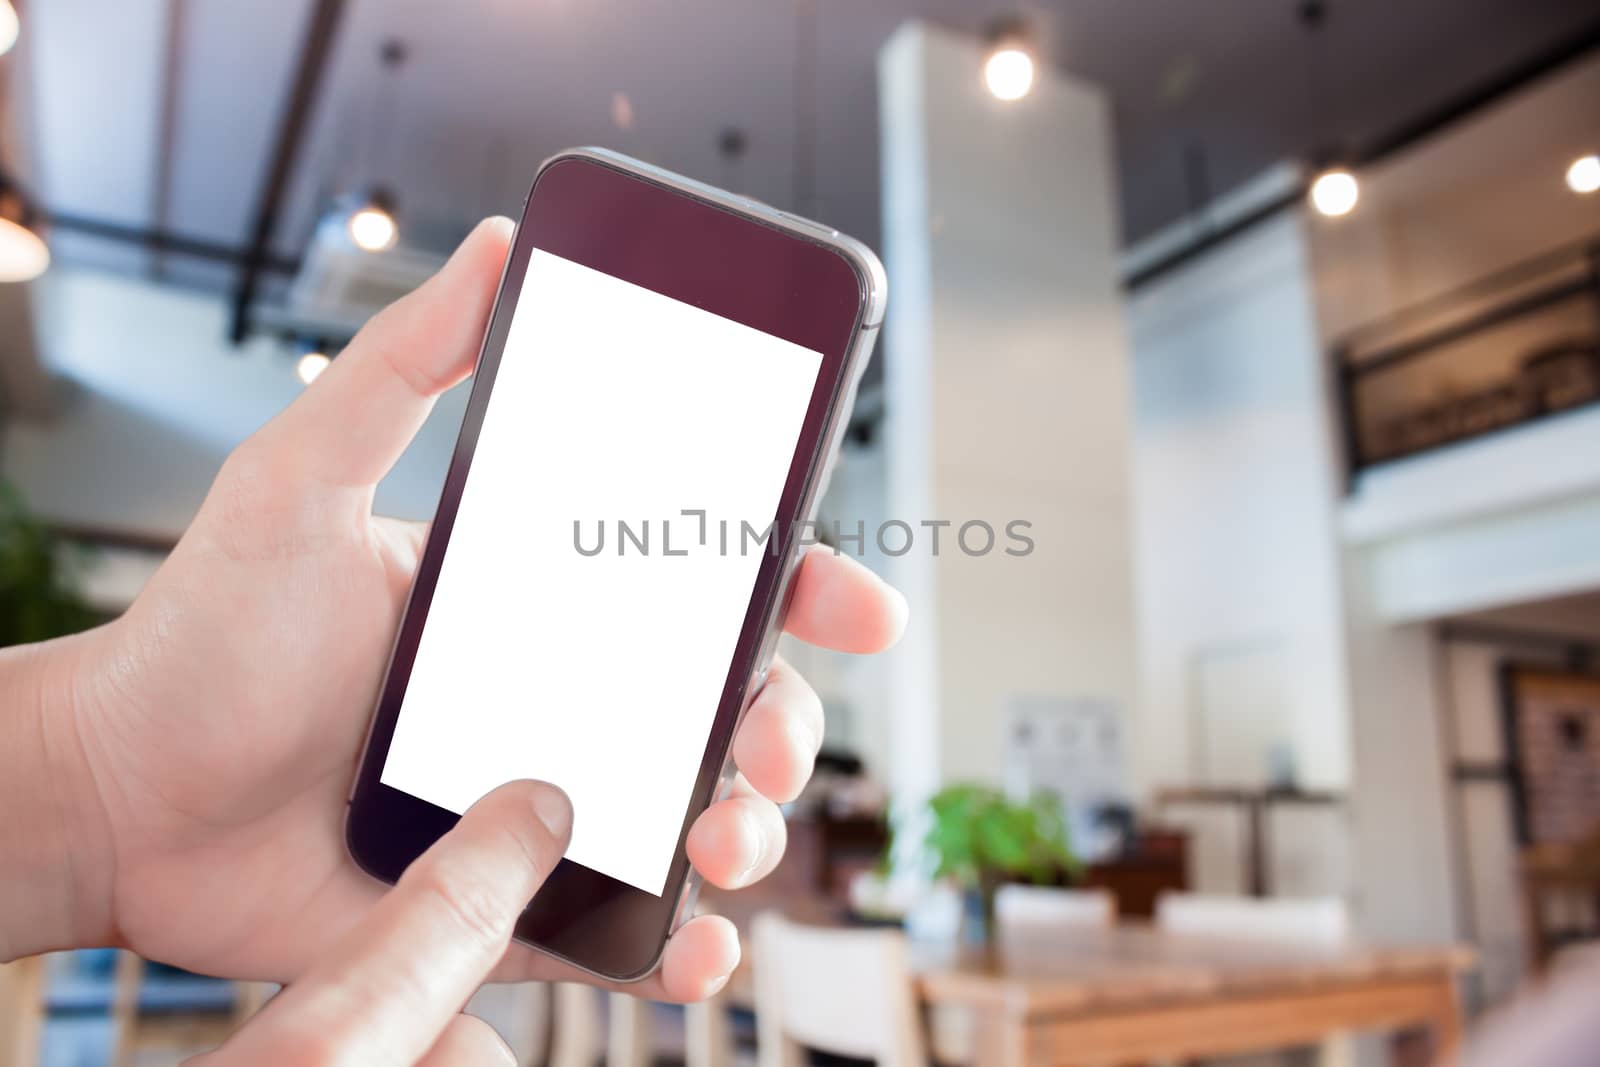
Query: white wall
[
  {"x": 1235, "y": 533},
  {"x": 155, "y": 398},
  {"x": 1402, "y": 850},
  {"x": 1515, "y": 515},
  {"x": 1006, "y": 385}
]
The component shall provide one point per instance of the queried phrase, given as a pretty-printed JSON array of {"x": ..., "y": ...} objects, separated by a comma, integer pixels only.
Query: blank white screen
[{"x": 600, "y": 673}]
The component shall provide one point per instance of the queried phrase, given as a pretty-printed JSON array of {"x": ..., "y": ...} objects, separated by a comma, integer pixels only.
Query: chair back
[
  {"x": 1322, "y": 922},
  {"x": 842, "y": 991},
  {"x": 1019, "y": 908}
]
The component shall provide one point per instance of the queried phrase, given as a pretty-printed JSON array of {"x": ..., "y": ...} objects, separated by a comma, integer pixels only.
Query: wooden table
[{"x": 1133, "y": 994}]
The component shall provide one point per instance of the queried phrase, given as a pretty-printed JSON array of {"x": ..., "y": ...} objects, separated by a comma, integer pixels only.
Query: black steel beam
[
  {"x": 159, "y": 240},
  {"x": 1572, "y": 47},
  {"x": 315, "y": 49}
]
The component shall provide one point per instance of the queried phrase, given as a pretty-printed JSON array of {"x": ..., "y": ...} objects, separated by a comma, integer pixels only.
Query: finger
[
  {"x": 778, "y": 740},
  {"x": 392, "y": 985},
  {"x": 399, "y": 543},
  {"x": 840, "y": 604},
  {"x": 737, "y": 841},
  {"x": 351, "y": 425},
  {"x": 700, "y": 959},
  {"x": 697, "y": 962},
  {"x": 468, "y": 1041}
]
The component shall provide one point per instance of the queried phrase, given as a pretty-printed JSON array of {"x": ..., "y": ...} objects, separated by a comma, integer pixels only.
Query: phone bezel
[{"x": 744, "y": 262}]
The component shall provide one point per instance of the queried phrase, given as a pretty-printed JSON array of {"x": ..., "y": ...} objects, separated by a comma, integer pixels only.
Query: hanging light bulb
[
  {"x": 1334, "y": 193},
  {"x": 1583, "y": 177},
  {"x": 9, "y": 26},
  {"x": 372, "y": 224},
  {"x": 23, "y": 254},
  {"x": 1008, "y": 70}
]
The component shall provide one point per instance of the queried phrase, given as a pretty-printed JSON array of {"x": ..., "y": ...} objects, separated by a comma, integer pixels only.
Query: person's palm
[{"x": 224, "y": 735}]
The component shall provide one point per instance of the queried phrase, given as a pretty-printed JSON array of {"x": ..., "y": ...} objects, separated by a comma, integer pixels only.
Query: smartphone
[{"x": 667, "y": 374}]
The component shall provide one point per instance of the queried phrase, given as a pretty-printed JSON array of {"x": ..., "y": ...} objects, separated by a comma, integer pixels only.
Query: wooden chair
[
  {"x": 847, "y": 992},
  {"x": 1319, "y": 921},
  {"x": 1322, "y": 922},
  {"x": 1560, "y": 897},
  {"x": 1019, "y": 907}
]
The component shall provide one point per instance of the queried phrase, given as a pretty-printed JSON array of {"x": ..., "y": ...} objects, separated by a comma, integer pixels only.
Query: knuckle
[
  {"x": 467, "y": 903},
  {"x": 313, "y": 1050}
]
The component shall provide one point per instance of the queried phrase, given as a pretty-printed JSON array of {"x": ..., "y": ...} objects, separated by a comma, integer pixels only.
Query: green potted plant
[
  {"x": 980, "y": 840},
  {"x": 39, "y": 596}
]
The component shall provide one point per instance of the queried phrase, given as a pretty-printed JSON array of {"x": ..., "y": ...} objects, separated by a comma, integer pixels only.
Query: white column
[{"x": 1006, "y": 391}]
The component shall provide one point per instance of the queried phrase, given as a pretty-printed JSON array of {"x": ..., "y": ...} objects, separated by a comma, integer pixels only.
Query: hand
[
  {"x": 391, "y": 991},
  {"x": 219, "y": 721}
]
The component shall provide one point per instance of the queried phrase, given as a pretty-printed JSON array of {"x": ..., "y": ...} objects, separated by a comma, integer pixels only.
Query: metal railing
[{"x": 1516, "y": 346}]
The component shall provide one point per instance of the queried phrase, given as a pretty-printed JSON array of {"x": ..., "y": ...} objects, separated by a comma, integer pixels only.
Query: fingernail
[
  {"x": 804, "y": 733},
  {"x": 715, "y": 986},
  {"x": 755, "y": 837},
  {"x": 902, "y": 607},
  {"x": 553, "y": 809}
]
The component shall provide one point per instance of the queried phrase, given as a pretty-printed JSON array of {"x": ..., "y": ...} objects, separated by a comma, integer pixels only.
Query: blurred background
[{"x": 1277, "y": 322}]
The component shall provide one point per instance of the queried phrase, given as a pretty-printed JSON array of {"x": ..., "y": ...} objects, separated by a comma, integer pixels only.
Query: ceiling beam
[
  {"x": 1574, "y": 46},
  {"x": 161, "y": 241},
  {"x": 315, "y": 49}
]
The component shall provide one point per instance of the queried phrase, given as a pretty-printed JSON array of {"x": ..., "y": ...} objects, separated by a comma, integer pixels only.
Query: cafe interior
[{"x": 1272, "y": 327}]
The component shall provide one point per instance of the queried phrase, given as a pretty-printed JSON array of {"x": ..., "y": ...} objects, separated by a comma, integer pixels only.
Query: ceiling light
[
  {"x": 372, "y": 226},
  {"x": 1009, "y": 74},
  {"x": 310, "y": 366},
  {"x": 1008, "y": 69},
  {"x": 1584, "y": 174},
  {"x": 9, "y": 26},
  {"x": 1335, "y": 193}
]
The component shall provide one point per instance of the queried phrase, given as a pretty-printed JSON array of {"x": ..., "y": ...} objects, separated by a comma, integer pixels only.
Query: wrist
[{"x": 55, "y": 842}]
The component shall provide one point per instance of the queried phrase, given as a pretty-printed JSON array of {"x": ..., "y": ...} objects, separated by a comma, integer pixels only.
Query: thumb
[
  {"x": 351, "y": 425},
  {"x": 389, "y": 989}
]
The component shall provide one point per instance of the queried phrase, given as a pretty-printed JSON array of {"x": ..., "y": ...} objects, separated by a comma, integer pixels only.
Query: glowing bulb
[
  {"x": 23, "y": 255},
  {"x": 1584, "y": 174},
  {"x": 1009, "y": 73},
  {"x": 9, "y": 27},
  {"x": 311, "y": 366},
  {"x": 373, "y": 229},
  {"x": 1335, "y": 193}
]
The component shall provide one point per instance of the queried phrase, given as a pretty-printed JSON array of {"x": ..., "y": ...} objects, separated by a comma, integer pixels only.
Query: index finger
[
  {"x": 840, "y": 604},
  {"x": 391, "y": 986}
]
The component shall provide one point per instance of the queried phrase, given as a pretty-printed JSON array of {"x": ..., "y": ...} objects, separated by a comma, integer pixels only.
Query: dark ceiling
[{"x": 162, "y": 114}]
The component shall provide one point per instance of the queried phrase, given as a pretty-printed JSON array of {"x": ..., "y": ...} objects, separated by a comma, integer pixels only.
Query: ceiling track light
[{"x": 1009, "y": 65}]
